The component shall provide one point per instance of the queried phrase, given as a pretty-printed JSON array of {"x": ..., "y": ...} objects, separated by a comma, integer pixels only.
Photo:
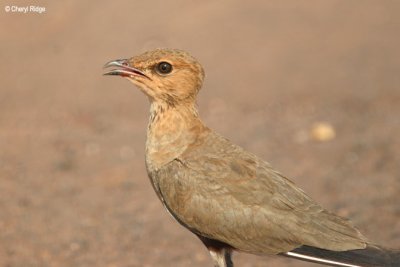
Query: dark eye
[{"x": 164, "y": 67}]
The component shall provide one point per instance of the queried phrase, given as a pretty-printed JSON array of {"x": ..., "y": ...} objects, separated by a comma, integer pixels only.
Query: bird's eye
[{"x": 164, "y": 67}]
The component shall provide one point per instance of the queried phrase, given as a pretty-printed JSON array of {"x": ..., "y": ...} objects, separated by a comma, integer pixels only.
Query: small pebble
[{"x": 323, "y": 132}]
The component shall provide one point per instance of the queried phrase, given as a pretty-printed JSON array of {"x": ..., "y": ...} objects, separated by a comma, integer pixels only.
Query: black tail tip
[{"x": 371, "y": 256}]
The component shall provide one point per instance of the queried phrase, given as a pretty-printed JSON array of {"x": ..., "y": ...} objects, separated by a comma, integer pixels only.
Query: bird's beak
[{"x": 123, "y": 69}]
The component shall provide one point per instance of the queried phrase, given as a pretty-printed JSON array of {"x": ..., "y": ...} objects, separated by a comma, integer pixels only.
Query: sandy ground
[{"x": 73, "y": 185}]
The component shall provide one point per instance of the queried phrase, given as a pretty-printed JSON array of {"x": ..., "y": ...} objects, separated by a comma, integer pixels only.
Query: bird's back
[{"x": 222, "y": 192}]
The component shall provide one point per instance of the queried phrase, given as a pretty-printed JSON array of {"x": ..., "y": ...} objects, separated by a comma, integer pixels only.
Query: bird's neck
[{"x": 171, "y": 130}]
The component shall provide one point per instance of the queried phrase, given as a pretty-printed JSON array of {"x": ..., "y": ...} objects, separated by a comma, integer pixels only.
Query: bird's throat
[{"x": 170, "y": 131}]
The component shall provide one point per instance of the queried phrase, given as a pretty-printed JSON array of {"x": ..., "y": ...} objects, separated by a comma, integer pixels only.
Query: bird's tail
[{"x": 371, "y": 256}]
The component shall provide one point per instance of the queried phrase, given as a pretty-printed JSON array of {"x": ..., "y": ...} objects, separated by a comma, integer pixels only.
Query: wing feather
[{"x": 228, "y": 194}]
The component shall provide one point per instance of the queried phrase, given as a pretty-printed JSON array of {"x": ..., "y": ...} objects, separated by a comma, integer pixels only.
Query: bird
[{"x": 230, "y": 198}]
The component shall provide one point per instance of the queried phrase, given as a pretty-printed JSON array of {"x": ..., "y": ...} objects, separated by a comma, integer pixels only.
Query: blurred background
[{"x": 311, "y": 86}]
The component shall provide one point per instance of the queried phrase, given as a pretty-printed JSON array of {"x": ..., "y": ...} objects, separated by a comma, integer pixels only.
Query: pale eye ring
[{"x": 164, "y": 67}]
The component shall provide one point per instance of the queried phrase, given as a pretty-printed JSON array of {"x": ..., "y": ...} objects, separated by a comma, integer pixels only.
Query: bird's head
[{"x": 167, "y": 75}]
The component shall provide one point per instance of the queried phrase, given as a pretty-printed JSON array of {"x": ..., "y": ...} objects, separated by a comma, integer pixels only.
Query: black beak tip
[
  {"x": 110, "y": 73},
  {"x": 123, "y": 69},
  {"x": 115, "y": 63}
]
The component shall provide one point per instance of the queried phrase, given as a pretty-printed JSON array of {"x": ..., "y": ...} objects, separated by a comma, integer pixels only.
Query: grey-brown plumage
[
  {"x": 230, "y": 198},
  {"x": 230, "y": 195}
]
